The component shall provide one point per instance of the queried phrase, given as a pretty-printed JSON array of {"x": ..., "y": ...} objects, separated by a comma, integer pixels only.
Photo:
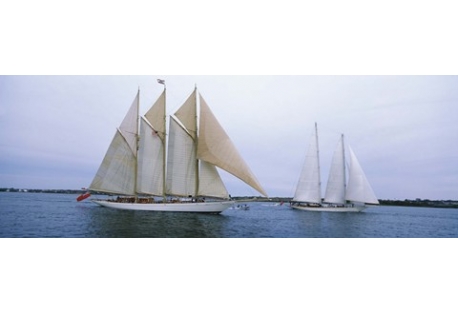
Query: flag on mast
[{"x": 161, "y": 81}]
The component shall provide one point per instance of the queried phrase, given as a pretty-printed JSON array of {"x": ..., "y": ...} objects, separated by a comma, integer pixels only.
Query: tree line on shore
[{"x": 411, "y": 203}]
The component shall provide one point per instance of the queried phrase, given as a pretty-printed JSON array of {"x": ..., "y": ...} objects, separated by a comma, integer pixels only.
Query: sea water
[{"x": 44, "y": 215}]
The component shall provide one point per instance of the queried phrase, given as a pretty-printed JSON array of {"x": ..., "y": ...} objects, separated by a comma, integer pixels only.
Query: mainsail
[
  {"x": 150, "y": 161},
  {"x": 309, "y": 186},
  {"x": 181, "y": 172},
  {"x": 151, "y": 152},
  {"x": 335, "y": 189}
]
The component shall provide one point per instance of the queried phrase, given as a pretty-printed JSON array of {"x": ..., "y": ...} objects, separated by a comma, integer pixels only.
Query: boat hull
[
  {"x": 354, "y": 209},
  {"x": 204, "y": 207}
]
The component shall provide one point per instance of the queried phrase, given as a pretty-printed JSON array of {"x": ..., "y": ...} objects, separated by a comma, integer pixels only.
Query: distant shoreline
[
  {"x": 410, "y": 203},
  {"x": 58, "y": 191},
  {"x": 421, "y": 203}
]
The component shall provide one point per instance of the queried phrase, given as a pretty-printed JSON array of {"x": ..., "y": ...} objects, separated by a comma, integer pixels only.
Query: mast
[
  {"x": 318, "y": 159},
  {"x": 164, "y": 151},
  {"x": 137, "y": 141},
  {"x": 344, "y": 174},
  {"x": 196, "y": 141}
]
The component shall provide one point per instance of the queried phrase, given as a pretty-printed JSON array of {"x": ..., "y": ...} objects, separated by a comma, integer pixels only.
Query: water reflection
[
  {"x": 136, "y": 224},
  {"x": 326, "y": 224}
]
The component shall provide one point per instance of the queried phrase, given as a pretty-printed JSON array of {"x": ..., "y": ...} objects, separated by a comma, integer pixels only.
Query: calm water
[{"x": 56, "y": 215}]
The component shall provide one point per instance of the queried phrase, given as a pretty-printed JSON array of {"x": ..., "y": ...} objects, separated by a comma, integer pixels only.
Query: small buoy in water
[{"x": 82, "y": 197}]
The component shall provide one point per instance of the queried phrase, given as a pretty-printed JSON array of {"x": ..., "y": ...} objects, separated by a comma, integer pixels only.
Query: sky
[
  {"x": 268, "y": 72},
  {"x": 54, "y": 130}
]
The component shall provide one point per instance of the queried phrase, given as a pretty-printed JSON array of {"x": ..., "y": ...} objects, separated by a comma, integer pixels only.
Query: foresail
[
  {"x": 181, "y": 160},
  {"x": 359, "y": 189},
  {"x": 216, "y": 148},
  {"x": 150, "y": 161},
  {"x": 335, "y": 189},
  {"x": 210, "y": 183},
  {"x": 309, "y": 187},
  {"x": 116, "y": 174}
]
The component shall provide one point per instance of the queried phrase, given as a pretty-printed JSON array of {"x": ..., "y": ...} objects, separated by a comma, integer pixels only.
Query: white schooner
[{"x": 153, "y": 168}]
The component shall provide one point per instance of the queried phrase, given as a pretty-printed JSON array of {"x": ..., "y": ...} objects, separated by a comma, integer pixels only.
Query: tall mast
[
  {"x": 345, "y": 179},
  {"x": 137, "y": 139},
  {"x": 196, "y": 140},
  {"x": 318, "y": 159},
  {"x": 164, "y": 151}
]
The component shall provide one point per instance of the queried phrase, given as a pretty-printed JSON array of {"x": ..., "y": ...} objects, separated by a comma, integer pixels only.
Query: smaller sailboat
[{"x": 340, "y": 196}]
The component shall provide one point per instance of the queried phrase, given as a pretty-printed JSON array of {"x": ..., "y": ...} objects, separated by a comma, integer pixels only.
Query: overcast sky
[{"x": 54, "y": 130}]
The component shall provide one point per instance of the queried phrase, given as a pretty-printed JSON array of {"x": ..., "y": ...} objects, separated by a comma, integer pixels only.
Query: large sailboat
[
  {"x": 153, "y": 168},
  {"x": 340, "y": 196}
]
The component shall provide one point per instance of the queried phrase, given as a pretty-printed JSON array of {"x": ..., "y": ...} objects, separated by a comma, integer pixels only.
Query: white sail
[
  {"x": 156, "y": 116},
  {"x": 116, "y": 174},
  {"x": 309, "y": 186},
  {"x": 129, "y": 126},
  {"x": 335, "y": 189},
  {"x": 187, "y": 114},
  {"x": 150, "y": 161},
  {"x": 210, "y": 183},
  {"x": 181, "y": 161},
  {"x": 359, "y": 189},
  {"x": 151, "y": 152},
  {"x": 216, "y": 148}
]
